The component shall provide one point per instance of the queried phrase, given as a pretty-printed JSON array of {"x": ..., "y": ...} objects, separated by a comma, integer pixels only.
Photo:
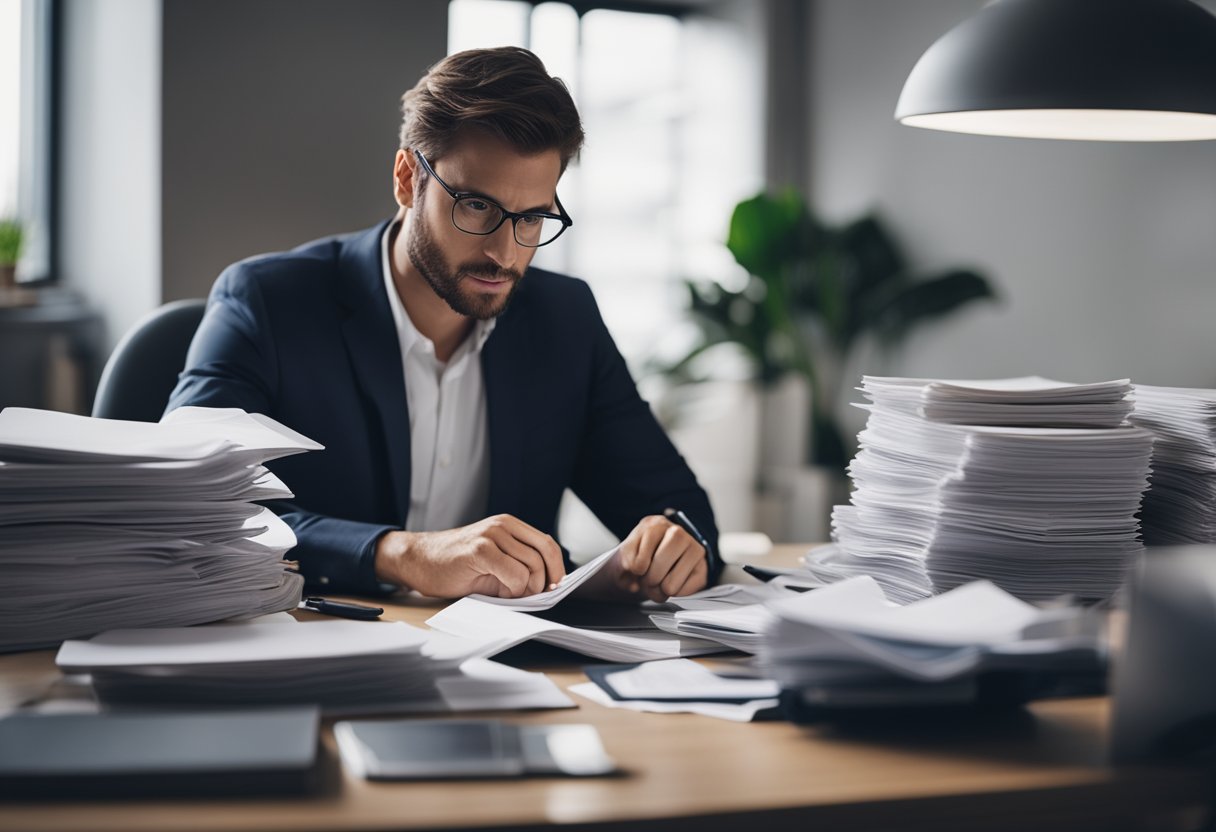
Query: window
[
  {"x": 25, "y": 129},
  {"x": 673, "y": 123},
  {"x": 673, "y": 110}
]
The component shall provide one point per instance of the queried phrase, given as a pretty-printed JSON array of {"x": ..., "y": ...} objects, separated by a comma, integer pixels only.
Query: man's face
[{"x": 477, "y": 275}]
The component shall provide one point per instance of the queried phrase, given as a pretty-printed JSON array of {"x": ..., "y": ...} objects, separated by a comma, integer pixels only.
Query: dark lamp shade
[{"x": 1109, "y": 70}]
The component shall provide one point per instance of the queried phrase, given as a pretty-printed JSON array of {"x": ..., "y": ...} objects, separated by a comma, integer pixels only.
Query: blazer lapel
[
  {"x": 507, "y": 378},
  {"x": 375, "y": 352}
]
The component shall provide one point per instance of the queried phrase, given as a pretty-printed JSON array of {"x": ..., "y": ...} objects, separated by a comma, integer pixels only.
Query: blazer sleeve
[
  {"x": 627, "y": 468},
  {"x": 233, "y": 362}
]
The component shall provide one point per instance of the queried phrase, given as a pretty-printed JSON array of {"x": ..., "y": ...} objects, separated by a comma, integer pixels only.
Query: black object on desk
[{"x": 159, "y": 754}]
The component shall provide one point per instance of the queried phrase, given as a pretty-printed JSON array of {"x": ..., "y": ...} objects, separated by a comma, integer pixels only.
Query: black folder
[{"x": 159, "y": 753}]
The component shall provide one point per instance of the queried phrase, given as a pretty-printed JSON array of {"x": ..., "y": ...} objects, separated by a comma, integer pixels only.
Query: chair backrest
[{"x": 143, "y": 369}]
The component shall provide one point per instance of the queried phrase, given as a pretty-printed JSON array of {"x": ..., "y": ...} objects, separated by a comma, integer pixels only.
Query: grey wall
[
  {"x": 1105, "y": 253},
  {"x": 280, "y": 122}
]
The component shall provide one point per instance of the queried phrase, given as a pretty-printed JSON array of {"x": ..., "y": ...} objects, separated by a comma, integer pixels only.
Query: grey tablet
[{"x": 427, "y": 749}]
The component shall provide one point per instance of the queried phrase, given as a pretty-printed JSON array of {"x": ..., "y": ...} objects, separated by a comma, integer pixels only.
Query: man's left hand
[{"x": 659, "y": 560}]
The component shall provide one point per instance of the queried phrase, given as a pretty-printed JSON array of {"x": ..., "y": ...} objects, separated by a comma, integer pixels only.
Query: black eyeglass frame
[{"x": 513, "y": 216}]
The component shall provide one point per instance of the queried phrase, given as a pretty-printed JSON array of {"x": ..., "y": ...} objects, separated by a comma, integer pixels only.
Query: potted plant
[
  {"x": 814, "y": 293},
  {"x": 10, "y": 250}
]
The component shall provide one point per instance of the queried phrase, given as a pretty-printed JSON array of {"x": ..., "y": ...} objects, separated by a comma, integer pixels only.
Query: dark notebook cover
[{"x": 158, "y": 753}]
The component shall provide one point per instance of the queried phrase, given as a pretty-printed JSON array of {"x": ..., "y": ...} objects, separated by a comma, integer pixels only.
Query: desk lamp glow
[
  {"x": 1103, "y": 70},
  {"x": 1107, "y": 70}
]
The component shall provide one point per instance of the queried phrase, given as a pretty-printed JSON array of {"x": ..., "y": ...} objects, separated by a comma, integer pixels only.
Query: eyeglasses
[{"x": 476, "y": 214}]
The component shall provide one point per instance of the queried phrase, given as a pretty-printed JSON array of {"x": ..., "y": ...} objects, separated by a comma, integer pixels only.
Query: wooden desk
[{"x": 1040, "y": 768}]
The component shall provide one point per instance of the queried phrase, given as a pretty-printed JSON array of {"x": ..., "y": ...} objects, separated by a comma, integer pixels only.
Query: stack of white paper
[
  {"x": 738, "y": 627},
  {"x": 1038, "y": 511},
  {"x": 1180, "y": 506},
  {"x": 848, "y": 645},
  {"x": 343, "y": 666},
  {"x": 107, "y": 524}
]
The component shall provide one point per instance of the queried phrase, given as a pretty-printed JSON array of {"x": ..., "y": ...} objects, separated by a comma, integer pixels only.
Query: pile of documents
[
  {"x": 847, "y": 646},
  {"x": 343, "y": 666},
  {"x": 1029, "y": 401},
  {"x": 516, "y": 620},
  {"x": 109, "y": 524},
  {"x": 1037, "y": 509},
  {"x": 1180, "y": 506},
  {"x": 679, "y": 686}
]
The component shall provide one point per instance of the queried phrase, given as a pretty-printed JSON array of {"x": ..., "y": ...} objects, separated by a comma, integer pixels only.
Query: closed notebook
[{"x": 158, "y": 753}]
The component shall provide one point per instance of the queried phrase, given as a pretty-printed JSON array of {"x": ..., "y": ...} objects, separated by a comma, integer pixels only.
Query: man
[{"x": 457, "y": 391}]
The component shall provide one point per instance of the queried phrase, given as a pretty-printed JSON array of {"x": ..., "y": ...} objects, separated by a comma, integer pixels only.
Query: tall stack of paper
[
  {"x": 1039, "y": 511},
  {"x": 846, "y": 645},
  {"x": 1180, "y": 506},
  {"x": 107, "y": 524}
]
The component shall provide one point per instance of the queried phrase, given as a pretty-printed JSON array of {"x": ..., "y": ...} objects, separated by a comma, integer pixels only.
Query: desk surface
[{"x": 1038, "y": 768}]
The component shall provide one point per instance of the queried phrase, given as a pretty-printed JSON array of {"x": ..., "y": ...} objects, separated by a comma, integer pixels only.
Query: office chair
[{"x": 142, "y": 371}]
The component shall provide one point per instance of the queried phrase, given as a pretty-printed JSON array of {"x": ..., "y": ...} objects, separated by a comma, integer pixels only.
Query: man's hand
[
  {"x": 659, "y": 560},
  {"x": 501, "y": 556}
]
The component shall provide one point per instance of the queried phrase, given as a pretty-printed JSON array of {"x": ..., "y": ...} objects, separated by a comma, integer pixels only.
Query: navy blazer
[{"x": 307, "y": 338}]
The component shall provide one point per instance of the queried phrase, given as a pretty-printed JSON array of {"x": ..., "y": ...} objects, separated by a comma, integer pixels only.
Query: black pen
[{"x": 341, "y": 609}]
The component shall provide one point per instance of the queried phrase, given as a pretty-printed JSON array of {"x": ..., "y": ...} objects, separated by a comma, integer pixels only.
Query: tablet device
[{"x": 431, "y": 749}]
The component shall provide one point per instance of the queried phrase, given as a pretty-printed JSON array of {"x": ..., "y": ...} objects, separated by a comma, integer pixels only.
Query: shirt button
[
  {"x": 324, "y": 579},
  {"x": 445, "y": 461}
]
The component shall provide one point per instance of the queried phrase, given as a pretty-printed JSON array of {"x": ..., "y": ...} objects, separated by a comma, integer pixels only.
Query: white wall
[
  {"x": 109, "y": 188},
  {"x": 1104, "y": 253}
]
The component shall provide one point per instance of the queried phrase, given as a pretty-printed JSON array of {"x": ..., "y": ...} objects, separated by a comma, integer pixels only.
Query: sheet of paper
[
  {"x": 742, "y": 712},
  {"x": 977, "y": 613},
  {"x": 473, "y": 619},
  {"x": 484, "y": 685},
  {"x": 547, "y": 600},
  {"x": 685, "y": 679},
  {"x": 256, "y": 642},
  {"x": 30, "y": 435}
]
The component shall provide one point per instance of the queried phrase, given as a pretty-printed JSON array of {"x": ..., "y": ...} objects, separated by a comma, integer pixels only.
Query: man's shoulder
[
  {"x": 314, "y": 265},
  {"x": 543, "y": 290}
]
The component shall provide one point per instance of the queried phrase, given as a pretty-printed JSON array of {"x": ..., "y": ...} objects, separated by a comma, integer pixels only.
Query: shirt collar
[{"x": 409, "y": 334}]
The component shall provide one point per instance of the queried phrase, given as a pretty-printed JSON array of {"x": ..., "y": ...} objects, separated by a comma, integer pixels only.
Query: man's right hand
[{"x": 501, "y": 556}]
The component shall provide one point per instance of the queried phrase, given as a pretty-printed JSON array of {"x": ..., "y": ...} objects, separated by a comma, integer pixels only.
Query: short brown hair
[{"x": 505, "y": 92}]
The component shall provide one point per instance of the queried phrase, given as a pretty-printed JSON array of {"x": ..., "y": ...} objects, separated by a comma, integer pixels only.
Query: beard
[{"x": 450, "y": 284}]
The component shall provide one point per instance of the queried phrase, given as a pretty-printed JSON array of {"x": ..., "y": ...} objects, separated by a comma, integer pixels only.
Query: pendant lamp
[{"x": 1112, "y": 70}]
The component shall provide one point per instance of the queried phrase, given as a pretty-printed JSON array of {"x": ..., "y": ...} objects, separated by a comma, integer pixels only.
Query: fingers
[
  {"x": 544, "y": 545},
  {"x": 529, "y": 557},
  {"x": 681, "y": 570},
  {"x": 673, "y": 561},
  {"x": 511, "y": 573},
  {"x": 638, "y": 551},
  {"x": 535, "y": 551},
  {"x": 697, "y": 579}
]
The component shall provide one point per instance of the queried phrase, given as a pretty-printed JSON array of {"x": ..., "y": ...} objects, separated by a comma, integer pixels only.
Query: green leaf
[
  {"x": 768, "y": 231},
  {"x": 916, "y": 303},
  {"x": 10, "y": 242},
  {"x": 874, "y": 253}
]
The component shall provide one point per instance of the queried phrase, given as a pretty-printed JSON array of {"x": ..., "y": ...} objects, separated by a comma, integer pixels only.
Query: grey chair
[{"x": 143, "y": 369}]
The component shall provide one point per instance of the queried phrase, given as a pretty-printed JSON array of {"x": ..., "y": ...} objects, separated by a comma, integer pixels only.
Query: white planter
[{"x": 717, "y": 432}]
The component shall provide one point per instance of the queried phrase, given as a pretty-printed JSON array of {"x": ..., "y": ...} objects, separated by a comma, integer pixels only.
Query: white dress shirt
[{"x": 449, "y": 446}]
